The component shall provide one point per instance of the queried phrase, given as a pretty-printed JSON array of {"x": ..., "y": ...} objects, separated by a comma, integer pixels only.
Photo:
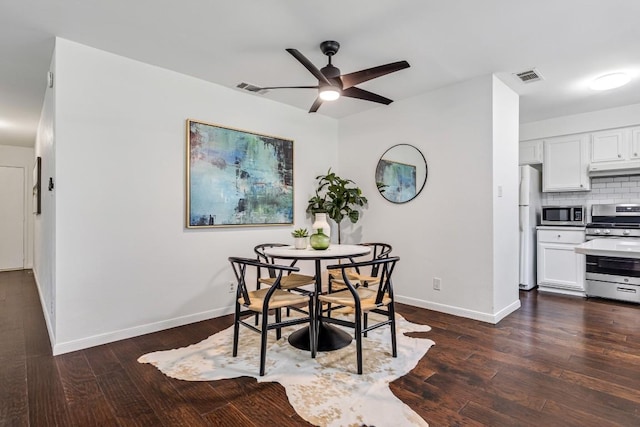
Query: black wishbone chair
[
  {"x": 290, "y": 282},
  {"x": 365, "y": 278},
  {"x": 378, "y": 251},
  {"x": 261, "y": 301},
  {"x": 363, "y": 300}
]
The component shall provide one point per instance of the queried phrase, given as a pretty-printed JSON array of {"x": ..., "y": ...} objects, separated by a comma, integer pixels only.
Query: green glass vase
[{"x": 319, "y": 241}]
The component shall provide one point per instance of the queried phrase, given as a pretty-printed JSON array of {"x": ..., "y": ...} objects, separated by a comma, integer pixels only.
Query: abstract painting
[
  {"x": 399, "y": 180},
  {"x": 237, "y": 178}
]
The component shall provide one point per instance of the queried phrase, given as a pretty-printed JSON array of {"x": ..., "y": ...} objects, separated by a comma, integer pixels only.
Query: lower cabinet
[{"x": 560, "y": 268}]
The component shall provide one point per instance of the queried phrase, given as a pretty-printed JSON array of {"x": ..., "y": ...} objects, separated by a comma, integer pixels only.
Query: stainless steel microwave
[{"x": 563, "y": 215}]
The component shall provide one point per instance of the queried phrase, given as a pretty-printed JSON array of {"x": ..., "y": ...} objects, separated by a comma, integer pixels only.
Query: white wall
[
  {"x": 23, "y": 157},
  {"x": 44, "y": 224},
  {"x": 587, "y": 122},
  {"x": 448, "y": 230},
  {"x": 505, "y": 199},
  {"x": 125, "y": 264}
]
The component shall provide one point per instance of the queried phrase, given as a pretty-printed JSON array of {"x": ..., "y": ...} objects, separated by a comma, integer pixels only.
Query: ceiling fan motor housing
[{"x": 329, "y": 47}]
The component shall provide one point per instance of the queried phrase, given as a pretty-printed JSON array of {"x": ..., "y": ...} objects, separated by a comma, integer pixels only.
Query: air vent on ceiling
[
  {"x": 251, "y": 88},
  {"x": 529, "y": 76}
]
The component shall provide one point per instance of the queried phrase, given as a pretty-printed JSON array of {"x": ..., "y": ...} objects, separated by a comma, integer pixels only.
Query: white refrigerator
[{"x": 529, "y": 211}]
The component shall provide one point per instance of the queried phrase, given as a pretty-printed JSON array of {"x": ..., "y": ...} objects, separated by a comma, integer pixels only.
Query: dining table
[{"x": 329, "y": 337}]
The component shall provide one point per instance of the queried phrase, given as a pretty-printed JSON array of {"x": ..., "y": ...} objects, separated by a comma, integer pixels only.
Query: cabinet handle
[
  {"x": 619, "y": 155},
  {"x": 581, "y": 186},
  {"x": 635, "y": 154},
  {"x": 559, "y": 236}
]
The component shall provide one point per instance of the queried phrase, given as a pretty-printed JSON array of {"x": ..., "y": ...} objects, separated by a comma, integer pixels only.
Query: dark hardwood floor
[{"x": 558, "y": 361}]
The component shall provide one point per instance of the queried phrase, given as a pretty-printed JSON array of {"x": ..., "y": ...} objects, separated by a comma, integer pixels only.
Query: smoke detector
[{"x": 529, "y": 76}]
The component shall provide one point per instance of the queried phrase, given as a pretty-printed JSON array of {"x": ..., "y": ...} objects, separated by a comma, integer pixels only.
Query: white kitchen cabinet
[
  {"x": 610, "y": 146},
  {"x": 634, "y": 152},
  {"x": 530, "y": 152},
  {"x": 566, "y": 162},
  {"x": 560, "y": 268}
]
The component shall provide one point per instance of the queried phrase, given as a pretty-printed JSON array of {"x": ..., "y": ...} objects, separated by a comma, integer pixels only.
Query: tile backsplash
[{"x": 620, "y": 189}]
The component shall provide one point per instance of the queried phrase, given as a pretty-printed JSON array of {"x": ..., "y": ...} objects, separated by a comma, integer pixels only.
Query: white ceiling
[{"x": 228, "y": 42}]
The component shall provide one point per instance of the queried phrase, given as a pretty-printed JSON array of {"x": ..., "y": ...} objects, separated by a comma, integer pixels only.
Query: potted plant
[
  {"x": 338, "y": 198},
  {"x": 300, "y": 238}
]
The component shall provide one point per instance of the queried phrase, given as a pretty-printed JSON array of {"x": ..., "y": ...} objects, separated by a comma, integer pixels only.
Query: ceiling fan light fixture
[
  {"x": 329, "y": 93},
  {"x": 610, "y": 81}
]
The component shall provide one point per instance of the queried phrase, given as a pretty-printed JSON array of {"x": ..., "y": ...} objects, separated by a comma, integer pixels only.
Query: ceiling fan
[{"x": 332, "y": 85}]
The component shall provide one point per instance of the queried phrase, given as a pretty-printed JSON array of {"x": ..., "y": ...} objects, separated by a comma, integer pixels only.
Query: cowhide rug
[{"x": 325, "y": 391}]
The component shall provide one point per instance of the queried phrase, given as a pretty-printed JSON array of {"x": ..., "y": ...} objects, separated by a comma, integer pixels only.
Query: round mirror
[{"x": 401, "y": 173}]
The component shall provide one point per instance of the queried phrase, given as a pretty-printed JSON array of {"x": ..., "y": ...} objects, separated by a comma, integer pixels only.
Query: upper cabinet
[
  {"x": 566, "y": 162},
  {"x": 634, "y": 152},
  {"x": 610, "y": 146},
  {"x": 530, "y": 152}
]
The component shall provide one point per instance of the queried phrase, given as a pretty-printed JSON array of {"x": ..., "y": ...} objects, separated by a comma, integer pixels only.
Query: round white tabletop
[{"x": 332, "y": 252}]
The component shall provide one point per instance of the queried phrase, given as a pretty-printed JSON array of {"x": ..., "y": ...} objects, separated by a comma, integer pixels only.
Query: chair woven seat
[
  {"x": 367, "y": 298},
  {"x": 279, "y": 299},
  {"x": 354, "y": 276},
  {"x": 291, "y": 281}
]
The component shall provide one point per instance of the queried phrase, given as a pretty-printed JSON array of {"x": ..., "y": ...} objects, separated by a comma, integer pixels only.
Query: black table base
[{"x": 329, "y": 338}]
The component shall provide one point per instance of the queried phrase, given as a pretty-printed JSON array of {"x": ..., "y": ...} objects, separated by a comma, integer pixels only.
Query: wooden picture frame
[{"x": 237, "y": 178}]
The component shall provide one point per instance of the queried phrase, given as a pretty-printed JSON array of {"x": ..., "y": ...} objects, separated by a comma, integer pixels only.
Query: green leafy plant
[
  {"x": 338, "y": 197},
  {"x": 300, "y": 232}
]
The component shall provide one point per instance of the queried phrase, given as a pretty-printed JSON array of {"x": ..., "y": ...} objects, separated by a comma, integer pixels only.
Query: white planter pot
[{"x": 300, "y": 242}]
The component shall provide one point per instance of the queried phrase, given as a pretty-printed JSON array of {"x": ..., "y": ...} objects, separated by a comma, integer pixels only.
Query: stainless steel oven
[{"x": 611, "y": 276}]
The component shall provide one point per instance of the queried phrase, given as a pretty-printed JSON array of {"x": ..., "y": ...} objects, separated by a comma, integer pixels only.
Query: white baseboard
[
  {"x": 461, "y": 312},
  {"x": 92, "y": 341}
]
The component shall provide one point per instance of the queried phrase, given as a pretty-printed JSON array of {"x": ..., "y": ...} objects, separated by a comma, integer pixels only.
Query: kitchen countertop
[
  {"x": 621, "y": 248},
  {"x": 560, "y": 227}
]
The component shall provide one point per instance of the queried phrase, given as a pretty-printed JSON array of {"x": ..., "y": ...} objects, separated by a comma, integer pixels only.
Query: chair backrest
[
  {"x": 240, "y": 266},
  {"x": 263, "y": 257},
  {"x": 384, "y": 265},
  {"x": 378, "y": 251}
]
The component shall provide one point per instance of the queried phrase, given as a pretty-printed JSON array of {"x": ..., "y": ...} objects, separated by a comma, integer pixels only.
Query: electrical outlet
[
  {"x": 436, "y": 283},
  {"x": 232, "y": 287}
]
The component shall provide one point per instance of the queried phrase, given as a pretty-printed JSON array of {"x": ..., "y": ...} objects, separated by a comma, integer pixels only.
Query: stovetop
[{"x": 613, "y": 225}]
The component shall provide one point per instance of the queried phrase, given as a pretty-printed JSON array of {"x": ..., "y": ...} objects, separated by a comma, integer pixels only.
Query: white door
[{"x": 12, "y": 192}]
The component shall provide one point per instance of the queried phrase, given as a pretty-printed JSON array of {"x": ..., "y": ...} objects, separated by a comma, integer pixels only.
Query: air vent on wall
[
  {"x": 251, "y": 88},
  {"x": 529, "y": 76}
]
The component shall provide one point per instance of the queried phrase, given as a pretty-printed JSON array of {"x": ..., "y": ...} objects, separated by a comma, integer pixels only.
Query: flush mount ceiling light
[
  {"x": 329, "y": 93},
  {"x": 610, "y": 81}
]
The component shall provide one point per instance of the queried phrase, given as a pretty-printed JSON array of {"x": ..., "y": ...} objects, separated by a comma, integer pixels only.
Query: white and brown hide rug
[{"x": 325, "y": 391}]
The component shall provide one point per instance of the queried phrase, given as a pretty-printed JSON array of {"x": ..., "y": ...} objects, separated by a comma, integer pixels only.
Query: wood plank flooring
[{"x": 558, "y": 361}]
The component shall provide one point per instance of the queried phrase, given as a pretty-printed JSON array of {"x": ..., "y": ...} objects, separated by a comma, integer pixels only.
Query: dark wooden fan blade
[
  {"x": 308, "y": 65},
  {"x": 355, "y": 92},
  {"x": 316, "y": 104},
  {"x": 290, "y": 87},
  {"x": 352, "y": 79}
]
